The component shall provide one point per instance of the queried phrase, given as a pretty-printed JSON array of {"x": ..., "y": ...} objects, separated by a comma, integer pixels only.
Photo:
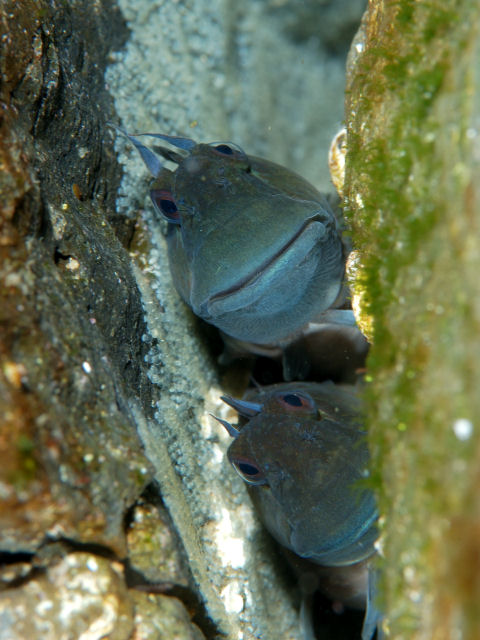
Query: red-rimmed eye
[
  {"x": 248, "y": 470},
  {"x": 234, "y": 152},
  {"x": 296, "y": 401},
  {"x": 164, "y": 203}
]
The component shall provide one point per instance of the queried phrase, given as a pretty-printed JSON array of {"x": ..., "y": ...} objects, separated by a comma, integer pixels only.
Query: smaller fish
[
  {"x": 326, "y": 351},
  {"x": 303, "y": 456}
]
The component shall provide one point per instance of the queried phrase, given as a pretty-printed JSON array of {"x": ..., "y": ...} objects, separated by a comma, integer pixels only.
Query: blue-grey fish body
[{"x": 254, "y": 249}]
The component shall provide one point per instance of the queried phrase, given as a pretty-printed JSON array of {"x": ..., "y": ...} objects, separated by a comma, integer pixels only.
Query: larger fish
[
  {"x": 304, "y": 458},
  {"x": 254, "y": 249}
]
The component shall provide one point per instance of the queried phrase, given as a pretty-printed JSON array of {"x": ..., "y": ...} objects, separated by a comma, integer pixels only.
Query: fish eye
[
  {"x": 164, "y": 203},
  {"x": 248, "y": 471},
  {"x": 224, "y": 149},
  {"x": 299, "y": 402},
  {"x": 292, "y": 399}
]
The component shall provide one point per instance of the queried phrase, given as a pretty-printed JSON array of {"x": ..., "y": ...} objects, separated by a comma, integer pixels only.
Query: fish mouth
[{"x": 267, "y": 265}]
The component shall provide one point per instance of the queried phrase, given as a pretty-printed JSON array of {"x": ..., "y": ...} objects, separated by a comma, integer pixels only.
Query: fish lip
[{"x": 267, "y": 263}]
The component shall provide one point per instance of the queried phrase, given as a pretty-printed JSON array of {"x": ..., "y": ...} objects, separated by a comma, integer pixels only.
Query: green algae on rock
[{"x": 412, "y": 197}]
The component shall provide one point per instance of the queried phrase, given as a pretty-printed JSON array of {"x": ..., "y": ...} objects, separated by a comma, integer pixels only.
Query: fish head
[
  {"x": 254, "y": 249},
  {"x": 304, "y": 458}
]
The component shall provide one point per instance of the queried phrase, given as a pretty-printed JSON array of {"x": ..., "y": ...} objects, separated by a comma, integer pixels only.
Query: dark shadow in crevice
[
  {"x": 68, "y": 545},
  {"x": 12, "y": 558}
]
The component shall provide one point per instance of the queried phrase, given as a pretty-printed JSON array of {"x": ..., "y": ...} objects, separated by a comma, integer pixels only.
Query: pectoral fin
[{"x": 372, "y": 614}]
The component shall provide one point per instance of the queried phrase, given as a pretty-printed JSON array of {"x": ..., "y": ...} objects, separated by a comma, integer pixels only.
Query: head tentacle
[
  {"x": 232, "y": 431},
  {"x": 244, "y": 408}
]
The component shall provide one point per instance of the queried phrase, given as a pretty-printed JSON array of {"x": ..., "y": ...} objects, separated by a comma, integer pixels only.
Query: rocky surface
[{"x": 119, "y": 517}]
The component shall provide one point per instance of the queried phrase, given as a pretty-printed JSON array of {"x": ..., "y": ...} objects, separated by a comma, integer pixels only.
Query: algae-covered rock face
[{"x": 411, "y": 193}]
